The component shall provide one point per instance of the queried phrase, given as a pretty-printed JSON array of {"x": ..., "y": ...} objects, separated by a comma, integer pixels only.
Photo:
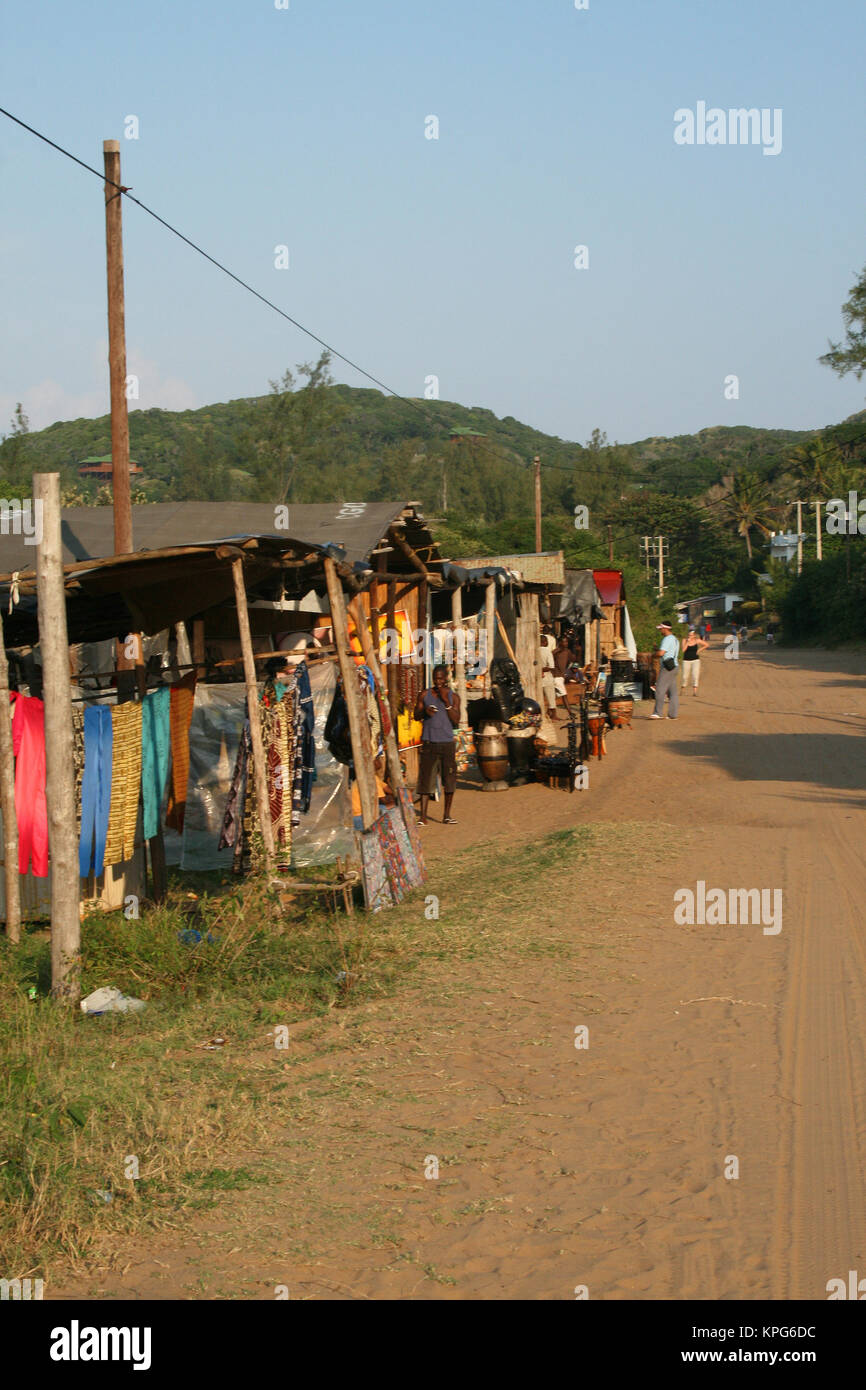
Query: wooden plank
[
  {"x": 358, "y": 728},
  {"x": 528, "y": 646},
  {"x": 259, "y": 772},
  {"x": 489, "y": 619},
  {"x": 391, "y": 673},
  {"x": 392, "y": 755}
]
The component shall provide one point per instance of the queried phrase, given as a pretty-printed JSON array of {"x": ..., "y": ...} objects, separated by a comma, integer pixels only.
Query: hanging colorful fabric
[
  {"x": 95, "y": 789},
  {"x": 377, "y": 890},
  {"x": 180, "y": 717},
  {"x": 278, "y": 723},
  {"x": 31, "y": 811},
  {"x": 78, "y": 760},
  {"x": 155, "y": 740},
  {"x": 125, "y": 782}
]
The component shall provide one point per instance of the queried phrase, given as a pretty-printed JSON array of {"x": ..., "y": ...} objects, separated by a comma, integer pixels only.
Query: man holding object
[{"x": 439, "y": 708}]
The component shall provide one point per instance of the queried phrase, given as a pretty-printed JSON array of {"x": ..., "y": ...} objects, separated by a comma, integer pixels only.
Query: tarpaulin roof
[
  {"x": 179, "y": 567},
  {"x": 88, "y": 532},
  {"x": 610, "y": 585},
  {"x": 581, "y": 602}
]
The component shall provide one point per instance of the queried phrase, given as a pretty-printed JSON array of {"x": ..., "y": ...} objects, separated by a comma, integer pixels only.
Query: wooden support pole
[
  {"x": 259, "y": 770},
  {"x": 537, "y": 479},
  {"x": 459, "y": 651},
  {"x": 505, "y": 638},
  {"x": 359, "y": 729},
  {"x": 391, "y": 623},
  {"x": 7, "y": 804},
  {"x": 59, "y": 770},
  {"x": 489, "y": 620},
  {"x": 422, "y": 623},
  {"x": 392, "y": 755}
]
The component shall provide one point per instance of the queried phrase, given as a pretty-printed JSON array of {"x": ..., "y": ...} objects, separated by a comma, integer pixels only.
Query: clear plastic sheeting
[
  {"x": 325, "y": 832},
  {"x": 214, "y": 734}
]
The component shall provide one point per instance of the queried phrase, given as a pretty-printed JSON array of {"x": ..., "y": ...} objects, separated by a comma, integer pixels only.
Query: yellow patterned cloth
[{"x": 125, "y": 781}]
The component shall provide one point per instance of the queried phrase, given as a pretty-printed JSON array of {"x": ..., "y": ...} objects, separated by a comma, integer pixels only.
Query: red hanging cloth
[{"x": 28, "y": 745}]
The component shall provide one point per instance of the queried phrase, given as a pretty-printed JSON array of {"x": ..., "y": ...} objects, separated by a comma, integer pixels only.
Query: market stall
[{"x": 182, "y": 754}]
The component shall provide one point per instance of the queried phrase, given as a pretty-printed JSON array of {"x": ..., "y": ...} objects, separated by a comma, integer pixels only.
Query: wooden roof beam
[{"x": 434, "y": 580}]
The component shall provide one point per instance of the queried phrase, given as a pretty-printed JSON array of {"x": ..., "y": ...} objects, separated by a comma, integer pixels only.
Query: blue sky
[{"x": 453, "y": 257}]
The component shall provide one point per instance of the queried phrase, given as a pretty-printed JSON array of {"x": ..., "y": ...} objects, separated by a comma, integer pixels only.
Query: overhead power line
[{"x": 188, "y": 241}]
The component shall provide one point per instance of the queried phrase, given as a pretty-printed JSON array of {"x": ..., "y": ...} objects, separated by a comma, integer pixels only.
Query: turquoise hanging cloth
[{"x": 155, "y": 750}]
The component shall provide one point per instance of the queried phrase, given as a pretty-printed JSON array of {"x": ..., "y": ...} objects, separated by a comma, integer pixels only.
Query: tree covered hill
[{"x": 309, "y": 439}]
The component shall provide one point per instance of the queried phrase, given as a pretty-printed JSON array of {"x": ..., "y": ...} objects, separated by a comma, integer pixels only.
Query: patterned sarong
[
  {"x": 125, "y": 781},
  {"x": 180, "y": 717}
]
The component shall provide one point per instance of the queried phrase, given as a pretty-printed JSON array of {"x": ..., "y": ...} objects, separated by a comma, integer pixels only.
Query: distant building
[
  {"x": 716, "y": 607},
  {"x": 99, "y": 467},
  {"x": 783, "y": 545}
]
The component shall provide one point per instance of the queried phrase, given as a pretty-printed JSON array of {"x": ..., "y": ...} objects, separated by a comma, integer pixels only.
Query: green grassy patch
[{"x": 111, "y": 1124}]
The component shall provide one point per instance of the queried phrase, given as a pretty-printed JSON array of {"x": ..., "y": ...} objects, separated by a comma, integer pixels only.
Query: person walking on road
[
  {"x": 666, "y": 685},
  {"x": 692, "y": 648}
]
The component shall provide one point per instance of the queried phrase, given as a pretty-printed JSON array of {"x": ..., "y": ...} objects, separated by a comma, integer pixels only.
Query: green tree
[
  {"x": 293, "y": 428},
  {"x": 850, "y": 355},
  {"x": 701, "y": 556},
  {"x": 747, "y": 507},
  {"x": 16, "y": 450}
]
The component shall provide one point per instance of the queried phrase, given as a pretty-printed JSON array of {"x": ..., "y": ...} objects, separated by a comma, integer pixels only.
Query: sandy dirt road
[{"x": 602, "y": 1167}]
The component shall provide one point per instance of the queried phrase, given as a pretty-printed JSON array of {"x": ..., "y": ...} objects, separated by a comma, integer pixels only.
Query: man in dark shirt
[{"x": 439, "y": 708}]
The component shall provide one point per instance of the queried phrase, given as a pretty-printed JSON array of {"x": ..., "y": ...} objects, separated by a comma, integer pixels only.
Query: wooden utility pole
[
  {"x": 259, "y": 770},
  {"x": 537, "y": 471},
  {"x": 818, "y": 536},
  {"x": 799, "y": 536},
  {"x": 661, "y": 544},
  {"x": 121, "y": 491},
  {"x": 359, "y": 728},
  {"x": 59, "y": 770},
  {"x": 609, "y": 543},
  {"x": 7, "y": 804}
]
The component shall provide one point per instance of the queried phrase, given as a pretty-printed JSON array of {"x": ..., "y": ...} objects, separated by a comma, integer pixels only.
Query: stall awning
[
  {"x": 609, "y": 584},
  {"x": 581, "y": 602}
]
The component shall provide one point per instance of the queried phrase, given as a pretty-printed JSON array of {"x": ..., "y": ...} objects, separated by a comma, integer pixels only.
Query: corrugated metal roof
[{"x": 548, "y": 567}]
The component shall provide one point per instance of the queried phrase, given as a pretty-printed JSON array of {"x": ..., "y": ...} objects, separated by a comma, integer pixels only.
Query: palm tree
[
  {"x": 747, "y": 507},
  {"x": 818, "y": 467}
]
